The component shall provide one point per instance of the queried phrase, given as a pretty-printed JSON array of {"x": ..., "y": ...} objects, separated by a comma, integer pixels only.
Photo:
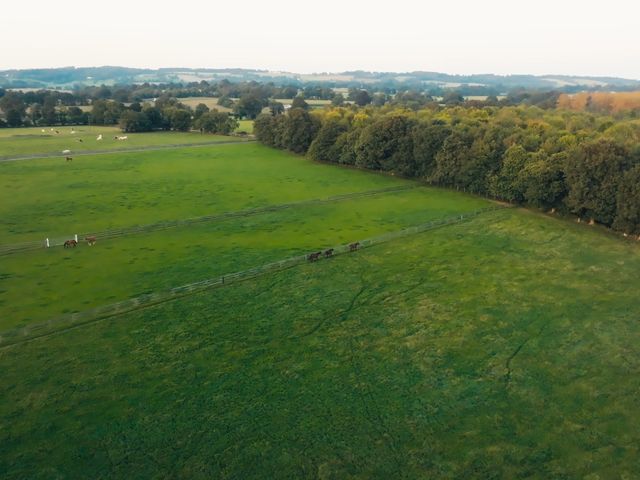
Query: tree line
[
  {"x": 57, "y": 108},
  {"x": 245, "y": 99},
  {"x": 164, "y": 114},
  {"x": 571, "y": 162}
]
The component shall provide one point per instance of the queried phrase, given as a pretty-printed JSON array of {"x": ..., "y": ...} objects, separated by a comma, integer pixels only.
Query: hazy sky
[{"x": 480, "y": 36}]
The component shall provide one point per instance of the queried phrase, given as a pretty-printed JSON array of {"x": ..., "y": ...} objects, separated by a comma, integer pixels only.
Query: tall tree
[
  {"x": 248, "y": 106},
  {"x": 299, "y": 102},
  {"x": 324, "y": 147},
  {"x": 594, "y": 171},
  {"x": 299, "y": 130},
  {"x": 543, "y": 180},
  {"x": 132, "y": 121},
  {"x": 179, "y": 119},
  {"x": 386, "y": 144},
  {"x": 217, "y": 122},
  {"x": 452, "y": 158},
  {"x": 628, "y": 202},
  {"x": 200, "y": 109},
  {"x": 14, "y": 108},
  {"x": 427, "y": 142},
  {"x": 362, "y": 98}
]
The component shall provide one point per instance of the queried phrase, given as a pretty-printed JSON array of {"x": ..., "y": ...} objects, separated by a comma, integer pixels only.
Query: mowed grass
[
  {"x": 32, "y": 141},
  {"x": 503, "y": 347}
]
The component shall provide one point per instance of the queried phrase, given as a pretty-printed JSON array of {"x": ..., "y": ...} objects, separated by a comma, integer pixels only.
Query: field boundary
[
  {"x": 37, "y": 156},
  {"x": 158, "y": 226},
  {"x": 73, "y": 320}
]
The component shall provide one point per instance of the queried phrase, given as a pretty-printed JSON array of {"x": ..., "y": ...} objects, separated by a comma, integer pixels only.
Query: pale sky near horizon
[{"x": 485, "y": 36}]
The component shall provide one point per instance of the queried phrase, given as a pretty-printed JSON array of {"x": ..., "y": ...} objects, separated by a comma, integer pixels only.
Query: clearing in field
[{"x": 504, "y": 346}]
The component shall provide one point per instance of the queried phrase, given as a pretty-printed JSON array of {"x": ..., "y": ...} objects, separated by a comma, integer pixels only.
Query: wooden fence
[{"x": 73, "y": 320}]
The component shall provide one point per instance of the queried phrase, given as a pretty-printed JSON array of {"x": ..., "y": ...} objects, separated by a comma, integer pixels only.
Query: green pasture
[
  {"x": 505, "y": 346},
  {"x": 38, "y": 285},
  {"x": 27, "y": 141},
  {"x": 502, "y": 347},
  {"x": 95, "y": 193}
]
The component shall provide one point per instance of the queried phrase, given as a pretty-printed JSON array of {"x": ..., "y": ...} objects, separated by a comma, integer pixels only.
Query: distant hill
[{"x": 69, "y": 77}]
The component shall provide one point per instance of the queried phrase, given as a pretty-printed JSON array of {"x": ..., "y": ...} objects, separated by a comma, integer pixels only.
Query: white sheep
[
  {"x": 99, "y": 137},
  {"x": 64, "y": 152}
]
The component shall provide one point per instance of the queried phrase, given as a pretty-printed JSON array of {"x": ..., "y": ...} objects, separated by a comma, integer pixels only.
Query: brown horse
[
  {"x": 90, "y": 240},
  {"x": 328, "y": 253},
  {"x": 354, "y": 246},
  {"x": 70, "y": 243},
  {"x": 68, "y": 159},
  {"x": 312, "y": 257}
]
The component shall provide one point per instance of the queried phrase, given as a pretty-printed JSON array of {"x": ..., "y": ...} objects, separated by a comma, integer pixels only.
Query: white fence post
[
  {"x": 76, "y": 237},
  {"x": 47, "y": 243}
]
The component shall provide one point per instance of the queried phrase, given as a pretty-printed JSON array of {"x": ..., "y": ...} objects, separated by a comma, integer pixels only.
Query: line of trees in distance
[
  {"x": 244, "y": 99},
  {"x": 166, "y": 113}
]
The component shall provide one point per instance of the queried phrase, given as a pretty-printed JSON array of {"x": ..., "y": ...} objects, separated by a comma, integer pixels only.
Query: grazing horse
[
  {"x": 328, "y": 253},
  {"x": 70, "y": 243},
  {"x": 90, "y": 240},
  {"x": 354, "y": 246},
  {"x": 68, "y": 159},
  {"x": 312, "y": 257}
]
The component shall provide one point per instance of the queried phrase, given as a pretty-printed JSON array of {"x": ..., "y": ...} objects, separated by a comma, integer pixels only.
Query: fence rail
[
  {"x": 158, "y": 226},
  {"x": 65, "y": 322}
]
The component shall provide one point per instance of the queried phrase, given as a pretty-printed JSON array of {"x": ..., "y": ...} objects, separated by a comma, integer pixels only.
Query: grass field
[
  {"x": 111, "y": 190},
  {"x": 26, "y": 141},
  {"x": 245, "y": 126},
  {"x": 165, "y": 185},
  {"x": 501, "y": 347},
  {"x": 211, "y": 102},
  {"x": 312, "y": 103}
]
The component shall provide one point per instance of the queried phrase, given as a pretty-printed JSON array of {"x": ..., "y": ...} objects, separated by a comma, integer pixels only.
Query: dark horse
[
  {"x": 90, "y": 240},
  {"x": 328, "y": 253},
  {"x": 68, "y": 159},
  {"x": 312, "y": 257},
  {"x": 354, "y": 246},
  {"x": 70, "y": 243}
]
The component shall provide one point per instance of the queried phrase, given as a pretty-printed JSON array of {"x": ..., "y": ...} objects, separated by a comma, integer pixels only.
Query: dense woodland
[{"x": 572, "y": 162}]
